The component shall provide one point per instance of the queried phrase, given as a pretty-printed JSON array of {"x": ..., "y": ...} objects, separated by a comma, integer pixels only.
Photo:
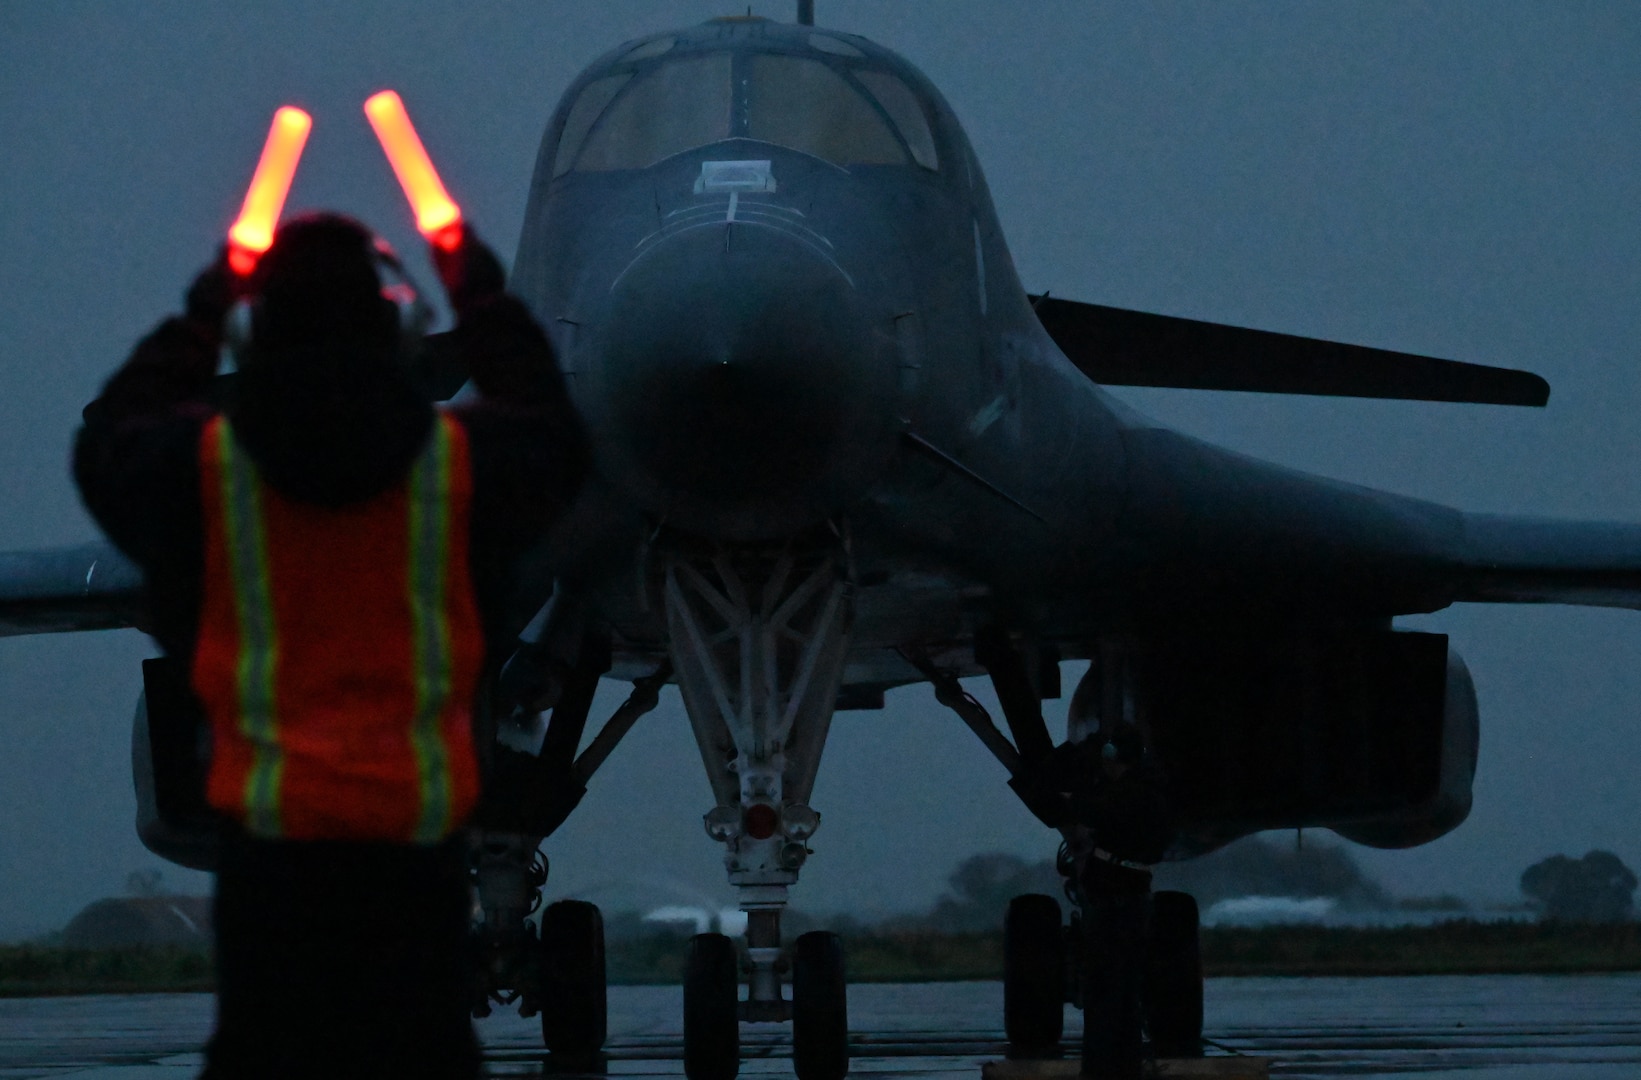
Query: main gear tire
[
  {"x": 820, "y": 1008},
  {"x": 1173, "y": 977},
  {"x": 1034, "y": 968},
  {"x": 712, "y": 1032},
  {"x": 573, "y": 986}
]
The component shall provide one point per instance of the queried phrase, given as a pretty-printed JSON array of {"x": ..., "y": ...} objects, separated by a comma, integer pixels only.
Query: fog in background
[{"x": 1459, "y": 180}]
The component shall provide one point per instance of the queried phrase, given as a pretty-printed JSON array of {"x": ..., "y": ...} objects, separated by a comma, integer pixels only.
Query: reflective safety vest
[{"x": 339, "y": 650}]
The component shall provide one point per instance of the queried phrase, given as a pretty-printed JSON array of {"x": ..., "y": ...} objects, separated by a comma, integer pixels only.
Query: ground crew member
[{"x": 333, "y": 557}]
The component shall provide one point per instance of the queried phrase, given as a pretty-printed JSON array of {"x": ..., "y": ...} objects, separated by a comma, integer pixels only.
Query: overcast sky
[{"x": 1457, "y": 179}]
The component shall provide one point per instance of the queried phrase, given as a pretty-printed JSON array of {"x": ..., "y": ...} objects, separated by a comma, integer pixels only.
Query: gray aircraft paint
[
  {"x": 693, "y": 329},
  {"x": 1170, "y": 198}
]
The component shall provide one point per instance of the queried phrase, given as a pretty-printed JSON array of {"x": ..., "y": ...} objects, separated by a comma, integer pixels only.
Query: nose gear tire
[
  {"x": 820, "y": 1008},
  {"x": 712, "y": 1033}
]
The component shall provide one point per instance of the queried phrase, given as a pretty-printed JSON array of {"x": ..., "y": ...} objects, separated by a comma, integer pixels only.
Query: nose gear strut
[{"x": 759, "y": 638}]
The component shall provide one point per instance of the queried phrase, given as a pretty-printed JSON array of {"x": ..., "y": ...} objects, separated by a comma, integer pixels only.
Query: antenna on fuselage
[{"x": 806, "y": 12}]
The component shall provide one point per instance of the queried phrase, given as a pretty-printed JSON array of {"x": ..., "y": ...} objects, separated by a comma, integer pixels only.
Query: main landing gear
[
  {"x": 554, "y": 970},
  {"x": 759, "y": 637},
  {"x": 1173, "y": 977},
  {"x": 713, "y": 1011},
  {"x": 1047, "y": 964},
  {"x": 572, "y": 988},
  {"x": 1035, "y": 976},
  {"x": 1045, "y": 967}
]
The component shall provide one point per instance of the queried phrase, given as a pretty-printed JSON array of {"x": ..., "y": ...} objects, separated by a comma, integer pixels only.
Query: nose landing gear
[
  {"x": 712, "y": 1030},
  {"x": 818, "y": 1010},
  {"x": 759, "y": 637},
  {"x": 820, "y": 1007}
]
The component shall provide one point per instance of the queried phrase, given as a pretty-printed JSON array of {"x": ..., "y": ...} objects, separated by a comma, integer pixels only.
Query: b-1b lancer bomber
[{"x": 840, "y": 450}]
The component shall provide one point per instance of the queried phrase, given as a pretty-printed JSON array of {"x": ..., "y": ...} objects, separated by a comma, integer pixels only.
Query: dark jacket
[{"x": 333, "y": 431}]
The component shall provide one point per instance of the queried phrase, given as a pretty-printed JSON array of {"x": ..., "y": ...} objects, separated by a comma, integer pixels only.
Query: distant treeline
[
  {"x": 1586, "y": 904},
  {"x": 979, "y": 888},
  {"x": 1452, "y": 948}
]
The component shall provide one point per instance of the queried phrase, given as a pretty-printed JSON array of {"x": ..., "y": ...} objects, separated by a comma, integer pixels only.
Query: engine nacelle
[
  {"x": 1372, "y": 734},
  {"x": 1423, "y": 821}
]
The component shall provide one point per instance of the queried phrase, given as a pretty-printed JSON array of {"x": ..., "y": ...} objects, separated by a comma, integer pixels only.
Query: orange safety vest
[{"x": 339, "y": 650}]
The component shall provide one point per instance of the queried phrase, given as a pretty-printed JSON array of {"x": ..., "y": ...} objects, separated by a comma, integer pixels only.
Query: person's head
[
  {"x": 326, "y": 401},
  {"x": 328, "y": 287}
]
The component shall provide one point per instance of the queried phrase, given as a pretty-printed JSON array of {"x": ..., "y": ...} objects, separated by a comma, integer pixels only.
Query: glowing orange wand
[
  {"x": 437, "y": 216},
  {"x": 252, "y": 233}
]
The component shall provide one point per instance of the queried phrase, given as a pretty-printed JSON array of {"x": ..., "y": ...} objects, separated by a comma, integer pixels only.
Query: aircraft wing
[
  {"x": 1514, "y": 560},
  {"x": 1118, "y": 347},
  {"x": 59, "y": 590}
]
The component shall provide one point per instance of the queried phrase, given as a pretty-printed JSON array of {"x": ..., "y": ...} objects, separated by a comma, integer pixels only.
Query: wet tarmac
[{"x": 1475, "y": 1027}]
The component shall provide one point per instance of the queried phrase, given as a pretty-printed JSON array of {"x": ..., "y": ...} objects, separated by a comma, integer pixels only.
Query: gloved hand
[
  {"x": 470, "y": 273},
  {"x": 212, "y": 292}
]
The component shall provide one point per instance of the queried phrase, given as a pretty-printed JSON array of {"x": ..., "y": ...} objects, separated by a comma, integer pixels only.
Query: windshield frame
[{"x": 741, "y": 57}]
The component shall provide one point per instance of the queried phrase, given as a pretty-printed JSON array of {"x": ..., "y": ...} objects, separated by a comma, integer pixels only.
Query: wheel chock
[{"x": 1230, "y": 1067}]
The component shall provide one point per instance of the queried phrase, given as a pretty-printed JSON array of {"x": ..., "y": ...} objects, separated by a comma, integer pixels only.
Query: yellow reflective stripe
[
  {"x": 247, "y": 546},
  {"x": 429, "y": 553}
]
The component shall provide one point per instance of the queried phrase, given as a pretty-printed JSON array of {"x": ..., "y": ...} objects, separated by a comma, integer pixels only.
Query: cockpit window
[
  {"x": 901, "y": 105},
  {"x": 592, "y": 101},
  {"x": 631, "y": 120},
  {"x": 681, "y": 104},
  {"x": 807, "y": 106}
]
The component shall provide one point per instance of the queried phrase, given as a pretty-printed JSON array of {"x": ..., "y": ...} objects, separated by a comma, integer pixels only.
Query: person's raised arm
[
  {"x": 134, "y": 454},
  {"x": 175, "y": 363},
  {"x": 507, "y": 354}
]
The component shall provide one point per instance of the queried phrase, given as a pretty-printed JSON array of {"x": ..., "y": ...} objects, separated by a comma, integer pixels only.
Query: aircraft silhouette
[{"x": 840, "y": 450}]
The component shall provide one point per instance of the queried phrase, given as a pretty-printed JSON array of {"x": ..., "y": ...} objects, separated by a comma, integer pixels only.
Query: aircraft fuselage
[{"x": 766, "y": 335}]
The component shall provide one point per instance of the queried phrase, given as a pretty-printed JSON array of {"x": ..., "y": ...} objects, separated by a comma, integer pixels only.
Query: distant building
[
  {"x": 697, "y": 920},
  {"x": 141, "y": 920}
]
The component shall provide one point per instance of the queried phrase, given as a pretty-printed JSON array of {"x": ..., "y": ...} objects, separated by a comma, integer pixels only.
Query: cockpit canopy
[{"x": 656, "y": 100}]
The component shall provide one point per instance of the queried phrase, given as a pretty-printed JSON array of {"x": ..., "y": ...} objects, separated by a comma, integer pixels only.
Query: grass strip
[{"x": 41, "y": 971}]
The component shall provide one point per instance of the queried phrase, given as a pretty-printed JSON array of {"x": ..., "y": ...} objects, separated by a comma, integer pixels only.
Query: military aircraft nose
[{"x": 744, "y": 394}]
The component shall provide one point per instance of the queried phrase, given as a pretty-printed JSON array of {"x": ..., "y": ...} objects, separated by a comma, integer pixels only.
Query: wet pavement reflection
[{"x": 1478, "y": 1027}]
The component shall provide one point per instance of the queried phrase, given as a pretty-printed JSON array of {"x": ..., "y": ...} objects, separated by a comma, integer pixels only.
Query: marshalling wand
[
  {"x": 438, "y": 218},
  {"x": 252, "y": 233}
]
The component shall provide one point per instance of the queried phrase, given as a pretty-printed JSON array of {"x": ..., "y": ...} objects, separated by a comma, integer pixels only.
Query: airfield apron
[{"x": 338, "y": 650}]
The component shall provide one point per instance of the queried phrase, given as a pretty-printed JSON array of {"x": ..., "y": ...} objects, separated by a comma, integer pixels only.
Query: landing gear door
[{"x": 168, "y": 756}]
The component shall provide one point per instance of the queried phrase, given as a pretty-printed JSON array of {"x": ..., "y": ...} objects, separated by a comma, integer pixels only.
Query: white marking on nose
[{"x": 988, "y": 415}]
